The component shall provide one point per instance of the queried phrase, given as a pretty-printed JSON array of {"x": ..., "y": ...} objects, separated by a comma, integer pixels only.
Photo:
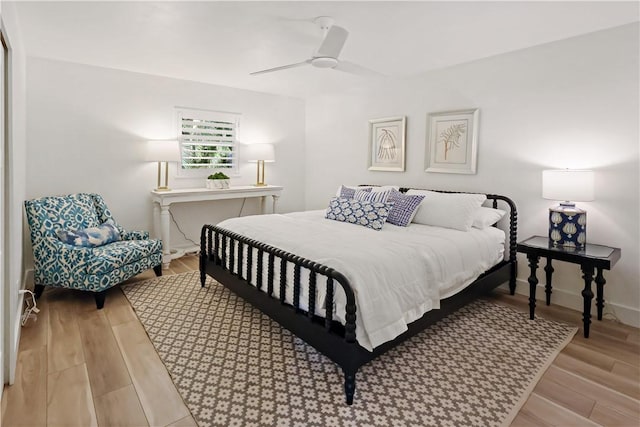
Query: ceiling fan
[{"x": 327, "y": 54}]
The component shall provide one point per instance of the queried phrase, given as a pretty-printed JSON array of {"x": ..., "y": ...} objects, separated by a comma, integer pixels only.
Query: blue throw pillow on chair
[{"x": 91, "y": 237}]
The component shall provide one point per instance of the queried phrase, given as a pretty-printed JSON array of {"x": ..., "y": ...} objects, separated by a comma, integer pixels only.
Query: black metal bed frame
[{"x": 222, "y": 256}]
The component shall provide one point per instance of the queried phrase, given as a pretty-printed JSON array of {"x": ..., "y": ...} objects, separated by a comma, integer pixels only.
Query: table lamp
[
  {"x": 163, "y": 152},
  {"x": 567, "y": 223},
  {"x": 260, "y": 154}
]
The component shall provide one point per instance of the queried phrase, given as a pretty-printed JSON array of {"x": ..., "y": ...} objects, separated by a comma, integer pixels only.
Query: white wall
[
  {"x": 572, "y": 103},
  {"x": 15, "y": 184},
  {"x": 87, "y": 129}
]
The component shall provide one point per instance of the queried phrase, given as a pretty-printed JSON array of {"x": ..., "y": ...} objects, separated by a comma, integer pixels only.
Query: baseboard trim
[{"x": 625, "y": 314}]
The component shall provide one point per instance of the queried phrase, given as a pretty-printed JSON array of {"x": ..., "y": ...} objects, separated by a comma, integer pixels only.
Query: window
[{"x": 208, "y": 140}]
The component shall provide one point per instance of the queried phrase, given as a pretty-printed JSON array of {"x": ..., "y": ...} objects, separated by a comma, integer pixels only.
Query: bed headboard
[{"x": 497, "y": 202}]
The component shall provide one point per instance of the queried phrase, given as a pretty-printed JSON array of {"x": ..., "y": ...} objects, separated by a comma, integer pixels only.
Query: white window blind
[{"x": 208, "y": 139}]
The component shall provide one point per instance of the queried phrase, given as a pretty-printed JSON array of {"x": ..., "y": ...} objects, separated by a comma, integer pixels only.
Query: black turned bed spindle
[
  {"x": 270, "y": 274},
  {"x": 495, "y": 204},
  {"x": 216, "y": 249},
  {"x": 240, "y": 258},
  {"x": 249, "y": 263},
  {"x": 350, "y": 323},
  {"x": 296, "y": 284},
  {"x": 283, "y": 280},
  {"x": 232, "y": 254},
  {"x": 312, "y": 294},
  {"x": 204, "y": 242},
  {"x": 328, "y": 317},
  {"x": 513, "y": 239},
  {"x": 223, "y": 261},
  {"x": 259, "y": 269}
]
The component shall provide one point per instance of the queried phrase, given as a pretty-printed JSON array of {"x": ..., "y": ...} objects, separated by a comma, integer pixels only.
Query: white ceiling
[{"x": 222, "y": 42}]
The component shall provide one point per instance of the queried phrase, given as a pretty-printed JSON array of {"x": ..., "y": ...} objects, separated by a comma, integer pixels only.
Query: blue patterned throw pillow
[
  {"x": 368, "y": 214},
  {"x": 404, "y": 207},
  {"x": 91, "y": 237}
]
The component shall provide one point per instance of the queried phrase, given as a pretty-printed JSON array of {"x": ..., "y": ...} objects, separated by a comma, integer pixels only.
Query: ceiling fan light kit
[{"x": 327, "y": 54}]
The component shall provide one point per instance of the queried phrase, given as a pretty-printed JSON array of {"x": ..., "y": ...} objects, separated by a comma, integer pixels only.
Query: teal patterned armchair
[{"x": 85, "y": 263}]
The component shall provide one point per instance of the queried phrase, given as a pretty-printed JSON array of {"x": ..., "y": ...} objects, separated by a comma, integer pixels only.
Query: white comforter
[{"x": 397, "y": 273}]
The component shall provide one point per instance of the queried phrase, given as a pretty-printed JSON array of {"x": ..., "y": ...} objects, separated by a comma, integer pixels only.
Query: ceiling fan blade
[
  {"x": 350, "y": 67},
  {"x": 284, "y": 67},
  {"x": 333, "y": 42}
]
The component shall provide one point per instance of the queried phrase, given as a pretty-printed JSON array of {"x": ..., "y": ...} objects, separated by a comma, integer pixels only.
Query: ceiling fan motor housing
[{"x": 324, "y": 62}]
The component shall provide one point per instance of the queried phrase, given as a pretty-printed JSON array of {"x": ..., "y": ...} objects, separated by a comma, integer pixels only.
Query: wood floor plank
[
  {"x": 105, "y": 365},
  {"x": 120, "y": 408},
  {"x": 625, "y": 370},
  {"x": 624, "y": 351},
  {"x": 615, "y": 382},
  {"x": 610, "y": 417},
  {"x": 553, "y": 414},
  {"x": 177, "y": 266},
  {"x": 119, "y": 310},
  {"x": 595, "y": 391},
  {"x": 527, "y": 420},
  {"x": 3, "y": 404},
  {"x": 69, "y": 400},
  {"x": 185, "y": 422},
  {"x": 160, "y": 400},
  {"x": 26, "y": 399},
  {"x": 64, "y": 346},
  {"x": 589, "y": 355},
  {"x": 564, "y": 397}
]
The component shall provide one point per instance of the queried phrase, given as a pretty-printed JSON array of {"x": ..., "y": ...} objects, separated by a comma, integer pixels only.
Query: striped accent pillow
[
  {"x": 404, "y": 208},
  {"x": 349, "y": 192},
  {"x": 372, "y": 196}
]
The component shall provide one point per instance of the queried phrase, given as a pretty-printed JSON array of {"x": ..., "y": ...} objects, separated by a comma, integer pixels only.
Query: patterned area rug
[{"x": 234, "y": 366}]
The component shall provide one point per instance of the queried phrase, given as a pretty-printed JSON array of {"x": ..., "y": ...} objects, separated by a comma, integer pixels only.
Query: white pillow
[
  {"x": 484, "y": 217},
  {"x": 373, "y": 189},
  {"x": 449, "y": 210}
]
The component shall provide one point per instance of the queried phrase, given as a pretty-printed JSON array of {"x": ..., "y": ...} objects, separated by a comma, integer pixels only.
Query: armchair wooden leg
[
  {"x": 100, "y": 296},
  {"x": 158, "y": 270},
  {"x": 39, "y": 289}
]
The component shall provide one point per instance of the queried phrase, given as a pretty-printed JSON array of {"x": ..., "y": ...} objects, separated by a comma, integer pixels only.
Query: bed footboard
[{"x": 230, "y": 259}]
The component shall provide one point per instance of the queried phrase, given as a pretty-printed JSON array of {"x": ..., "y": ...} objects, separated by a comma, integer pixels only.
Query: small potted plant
[{"x": 218, "y": 180}]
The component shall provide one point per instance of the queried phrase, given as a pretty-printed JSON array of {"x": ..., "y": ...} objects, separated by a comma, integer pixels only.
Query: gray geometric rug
[{"x": 234, "y": 366}]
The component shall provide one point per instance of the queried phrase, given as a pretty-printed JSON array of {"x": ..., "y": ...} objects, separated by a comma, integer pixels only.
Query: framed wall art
[
  {"x": 452, "y": 141},
  {"x": 386, "y": 144}
]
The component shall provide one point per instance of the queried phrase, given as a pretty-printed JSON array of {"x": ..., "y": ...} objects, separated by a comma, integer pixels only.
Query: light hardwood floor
[{"x": 85, "y": 367}]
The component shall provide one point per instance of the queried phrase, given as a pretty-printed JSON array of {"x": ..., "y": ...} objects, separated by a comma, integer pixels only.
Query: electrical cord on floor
[
  {"x": 31, "y": 310},
  {"x": 180, "y": 230}
]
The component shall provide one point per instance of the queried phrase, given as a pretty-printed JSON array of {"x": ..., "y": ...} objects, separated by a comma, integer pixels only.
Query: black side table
[{"x": 591, "y": 258}]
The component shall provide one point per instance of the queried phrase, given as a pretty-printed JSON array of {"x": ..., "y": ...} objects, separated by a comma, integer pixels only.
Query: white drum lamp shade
[
  {"x": 567, "y": 223},
  {"x": 568, "y": 185},
  {"x": 260, "y": 154},
  {"x": 163, "y": 152}
]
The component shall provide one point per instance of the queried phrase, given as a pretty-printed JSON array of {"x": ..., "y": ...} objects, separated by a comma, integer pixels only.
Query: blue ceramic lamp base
[{"x": 567, "y": 226}]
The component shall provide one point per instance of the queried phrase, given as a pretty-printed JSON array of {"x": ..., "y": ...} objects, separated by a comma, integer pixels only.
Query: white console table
[{"x": 162, "y": 200}]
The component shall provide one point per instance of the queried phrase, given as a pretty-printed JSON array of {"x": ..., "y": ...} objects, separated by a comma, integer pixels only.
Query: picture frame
[
  {"x": 452, "y": 141},
  {"x": 387, "y": 144}
]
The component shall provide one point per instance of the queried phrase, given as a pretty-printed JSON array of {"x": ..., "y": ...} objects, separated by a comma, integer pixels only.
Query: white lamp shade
[
  {"x": 255, "y": 152},
  {"x": 567, "y": 184},
  {"x": 162, "y": 151}
]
